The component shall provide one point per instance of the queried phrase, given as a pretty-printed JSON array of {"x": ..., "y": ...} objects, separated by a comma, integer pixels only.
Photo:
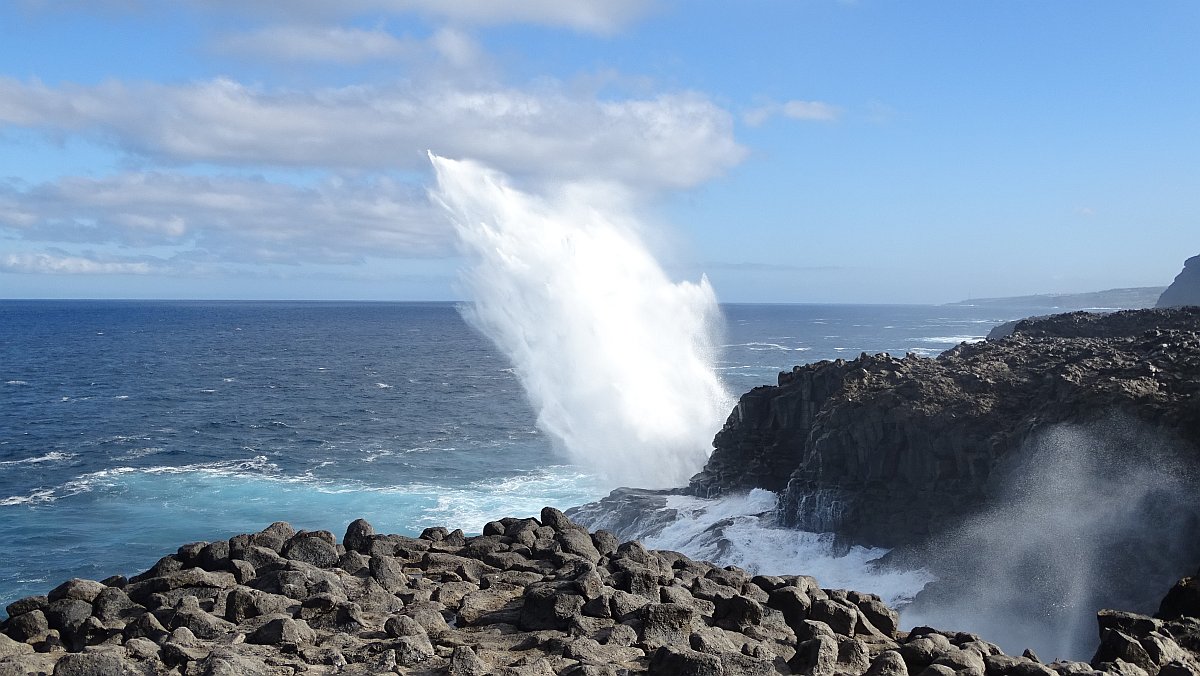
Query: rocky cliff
[
  {"x": 1185, "y": 290},
  {"x": 888, "y": 451},
  {"x": 529, "y": 597}
]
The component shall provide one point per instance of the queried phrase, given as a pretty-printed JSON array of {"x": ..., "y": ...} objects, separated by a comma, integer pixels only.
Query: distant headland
[{"x": 1134, "y": 298}]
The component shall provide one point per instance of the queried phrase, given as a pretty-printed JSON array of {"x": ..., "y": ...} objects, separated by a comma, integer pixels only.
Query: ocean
[{"x": 128, "y": 428}]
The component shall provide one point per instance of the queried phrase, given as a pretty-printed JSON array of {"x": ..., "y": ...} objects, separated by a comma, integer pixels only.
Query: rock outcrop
[
  {"x": 888, "y": 451},
  {"x": 1185, "y": 290},
  {"x": 527, "y": 597}
]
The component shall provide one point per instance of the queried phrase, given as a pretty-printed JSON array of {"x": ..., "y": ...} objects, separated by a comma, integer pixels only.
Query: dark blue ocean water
[{"x": 128, "y": 428}]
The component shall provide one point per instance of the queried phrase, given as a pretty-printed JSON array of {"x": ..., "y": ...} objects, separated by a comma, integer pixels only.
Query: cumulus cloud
[
  {"x": 229, "y": 218},
  {"x": 63, "y": 264},
  {"x": 667, "y": 141},
  {"x": 813, "y": 111}
]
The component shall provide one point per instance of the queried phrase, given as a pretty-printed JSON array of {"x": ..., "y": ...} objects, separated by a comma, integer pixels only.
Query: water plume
[
  {"x": 1090, "y": 516},
  {"x": 616, "y": 359}
]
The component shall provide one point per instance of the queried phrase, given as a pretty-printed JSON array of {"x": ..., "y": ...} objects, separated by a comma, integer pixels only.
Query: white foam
[
  {"x": 769, "y": 346},
  {"x": 616, "y": 358},
  {"x": 475, "y": 504},
  {"x": 53, "y": 456},
  {"x": 15, "y": 382},
  {"x": 736, "y": 530},
  {"x": 383, "y": 386},
  {"x": 246, "y": 467},
  {"x": 952, "y": 339},
  {"x": 140, "y": 453}
]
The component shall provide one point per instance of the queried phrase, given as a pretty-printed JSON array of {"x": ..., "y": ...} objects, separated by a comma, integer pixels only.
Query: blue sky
[{"x": 791, "y": 150}]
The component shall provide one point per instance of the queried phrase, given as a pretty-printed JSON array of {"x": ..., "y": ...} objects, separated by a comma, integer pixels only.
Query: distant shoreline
[{"x": 1111, "y": 299}]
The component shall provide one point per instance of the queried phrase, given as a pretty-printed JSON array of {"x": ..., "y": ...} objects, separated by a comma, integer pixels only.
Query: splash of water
[
  {"x": 1101, "y": 515},
  {"x": 616, "y": 359}
]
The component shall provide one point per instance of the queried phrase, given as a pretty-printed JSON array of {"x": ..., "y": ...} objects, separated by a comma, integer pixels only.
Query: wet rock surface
[{"x": 533, "y": 596}]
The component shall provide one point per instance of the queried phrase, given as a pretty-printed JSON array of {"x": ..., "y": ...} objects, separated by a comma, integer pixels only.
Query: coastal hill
[
  {"x": 1112, "y": 299},
  {"x": 1185, "y": 290}
]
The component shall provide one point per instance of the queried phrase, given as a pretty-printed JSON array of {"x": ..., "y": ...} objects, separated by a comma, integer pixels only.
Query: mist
[
  {"x": 1089, "y": 516},
  {"x": 615, "y": 358}
]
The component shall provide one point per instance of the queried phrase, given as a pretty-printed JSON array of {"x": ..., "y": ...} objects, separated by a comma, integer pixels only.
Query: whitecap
[
  {"x": 759, "y": 347},
  {"x": 140, "y": 453},
  {"x": 15, "y": 382},
  {"x": 53, "y": 456},
  {"x": 952, "y": 339},
  {"x": 383, "y": 386},
  {"x": 121, "y": 397}
]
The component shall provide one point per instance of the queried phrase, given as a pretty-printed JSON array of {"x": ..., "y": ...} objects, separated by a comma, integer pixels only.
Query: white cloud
[
  {"x": 232, "y": 219},
  {"x": 814, "y": 111},
  {"x": 319, "y": 43},
  {"x": 44, "y": 263},
  {"x": 583, "y": 15},
  {"x": 456, "y": 47},
  {"x": 668, "y": 141}
]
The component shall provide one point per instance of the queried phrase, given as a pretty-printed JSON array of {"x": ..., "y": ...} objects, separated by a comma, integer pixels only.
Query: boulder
[
  {"x": 314, "y": 548},
  {"x": 358, "y": 537},
  {"x": 676, "y": 661},
  {"x": 547, "y": 607},
  {"x": 280, "y": 629},
  {"x": 81, "y": 590}
]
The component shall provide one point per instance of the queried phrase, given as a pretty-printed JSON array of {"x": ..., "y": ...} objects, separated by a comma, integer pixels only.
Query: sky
[{"x": 866, "y": 151}]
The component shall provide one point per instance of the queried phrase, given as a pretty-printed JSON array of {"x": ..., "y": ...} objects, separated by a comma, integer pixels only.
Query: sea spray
[{"x": 616, "y": 359}]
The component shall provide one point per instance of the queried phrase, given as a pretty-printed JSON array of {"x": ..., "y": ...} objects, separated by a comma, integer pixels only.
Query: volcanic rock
[
  {"x": 1185, "y": 290},
  {"x": 857, "y": 447},
  {"x": 571, "y": 619}
]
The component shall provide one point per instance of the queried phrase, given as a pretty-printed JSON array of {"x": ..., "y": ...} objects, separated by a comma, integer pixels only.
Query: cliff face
[
  {"x": 888, "y": 451},
  {"x": 1185, "y": 290}
]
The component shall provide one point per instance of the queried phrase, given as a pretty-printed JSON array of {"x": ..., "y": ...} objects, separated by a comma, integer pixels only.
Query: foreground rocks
[
  {"x": 889, "y": 451},
  {"x": 528, "y": 597}
]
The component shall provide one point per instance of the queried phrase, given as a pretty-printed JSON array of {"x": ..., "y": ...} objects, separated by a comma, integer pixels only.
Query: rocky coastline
[
  {"x": 527, "y": 597},
  {"x": 890, "y": 451}
]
